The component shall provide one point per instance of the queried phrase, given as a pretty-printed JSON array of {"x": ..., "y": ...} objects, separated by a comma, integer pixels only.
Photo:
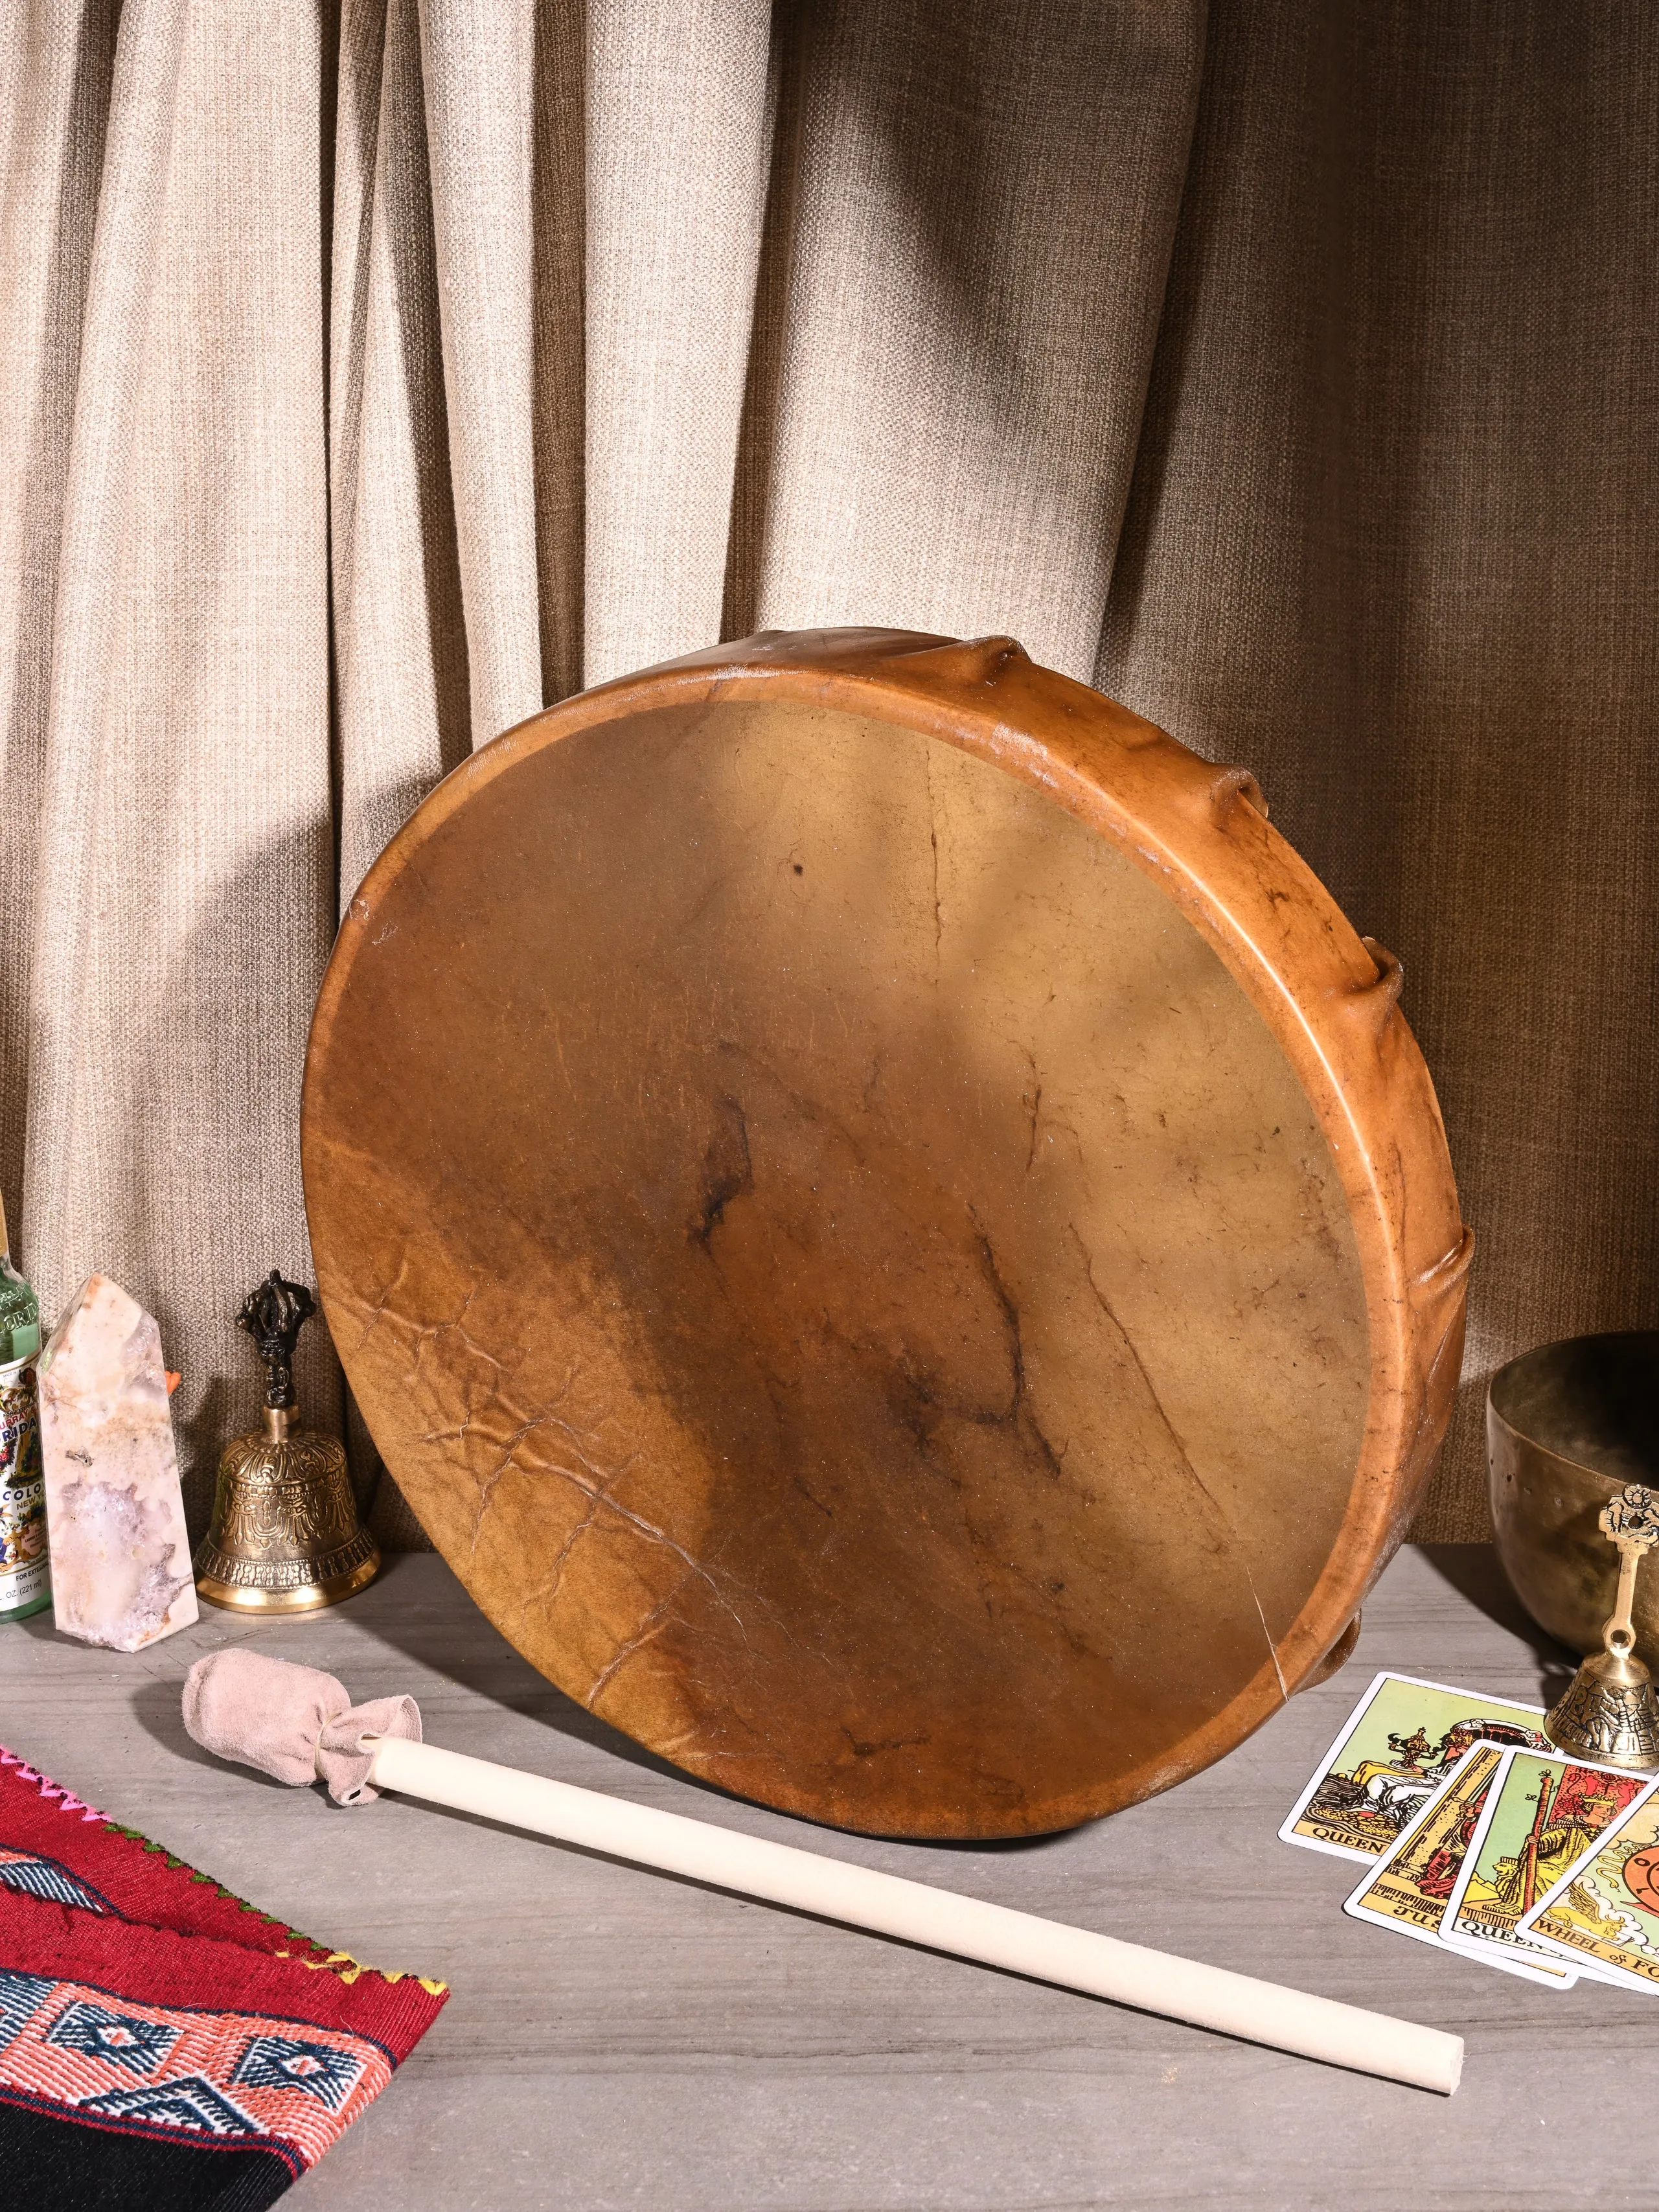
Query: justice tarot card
[
  {"x": 1542, "y": 1812},
  {"x": 1408, "y": 1888},
  {"x": 1401, "y": 1742},
  {"x": 1604, "y": 1912}
]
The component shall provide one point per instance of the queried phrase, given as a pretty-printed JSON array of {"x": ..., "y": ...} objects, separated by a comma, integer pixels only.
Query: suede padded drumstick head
[{"x": 294, "y": 1723}]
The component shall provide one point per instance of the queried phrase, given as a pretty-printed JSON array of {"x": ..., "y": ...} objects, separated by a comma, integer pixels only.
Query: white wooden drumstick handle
[{"x": 1209, "y": 1996}]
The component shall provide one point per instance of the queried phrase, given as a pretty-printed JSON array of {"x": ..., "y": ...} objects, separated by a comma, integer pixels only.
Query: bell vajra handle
[
  {"x": 1631, "y": 1521},
  {"x": 273, "y": 1317}
]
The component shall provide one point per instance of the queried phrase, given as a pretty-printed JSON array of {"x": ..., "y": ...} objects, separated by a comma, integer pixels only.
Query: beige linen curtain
[{"x": 370, "y": 377}]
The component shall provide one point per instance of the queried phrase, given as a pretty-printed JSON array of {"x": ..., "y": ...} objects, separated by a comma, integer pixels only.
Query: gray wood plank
[{"x": 615, "y": 2039}]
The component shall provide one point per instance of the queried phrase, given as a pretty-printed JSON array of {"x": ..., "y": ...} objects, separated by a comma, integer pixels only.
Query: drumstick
[{"x": 297, "y": 1725}]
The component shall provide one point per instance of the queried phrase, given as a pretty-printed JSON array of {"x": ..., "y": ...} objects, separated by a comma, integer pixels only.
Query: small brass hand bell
[
  {"x": 1610, "y": 1713},
  {"x": 285, "y": 1536}
]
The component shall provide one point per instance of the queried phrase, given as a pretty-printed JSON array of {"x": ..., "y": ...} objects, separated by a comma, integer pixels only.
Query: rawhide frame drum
[{"x": 889, "y": 1229}]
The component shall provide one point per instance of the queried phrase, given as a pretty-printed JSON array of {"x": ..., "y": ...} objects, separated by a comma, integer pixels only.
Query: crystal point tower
[{"x": 120, "y": 1556}]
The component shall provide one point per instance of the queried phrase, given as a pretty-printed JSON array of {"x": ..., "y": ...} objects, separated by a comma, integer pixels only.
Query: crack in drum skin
[
  {"x": 1236, "y": 1549},
  {"x": 594, "y": 1482},
  {"x": 1018, "y": 1404}
]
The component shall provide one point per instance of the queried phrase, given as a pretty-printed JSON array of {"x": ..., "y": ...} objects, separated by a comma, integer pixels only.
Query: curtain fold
[
  {"x": 679, "y": 146},
  {"x": 376, "y": 374},
  {"x": 976, "y": 243},
  {"x": 178, "y": 903},
  {"x": 403, "y": 715}
]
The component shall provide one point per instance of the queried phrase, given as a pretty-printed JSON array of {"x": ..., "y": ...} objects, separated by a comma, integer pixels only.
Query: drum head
[{"x": 885, "y": 1225}]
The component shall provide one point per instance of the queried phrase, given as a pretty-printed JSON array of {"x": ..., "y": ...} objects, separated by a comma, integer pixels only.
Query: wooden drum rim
[{"x": 1329, "y": 998}]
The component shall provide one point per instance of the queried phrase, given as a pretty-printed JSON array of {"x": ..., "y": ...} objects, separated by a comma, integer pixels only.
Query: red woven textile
[{"x": 160, "y": 2041}]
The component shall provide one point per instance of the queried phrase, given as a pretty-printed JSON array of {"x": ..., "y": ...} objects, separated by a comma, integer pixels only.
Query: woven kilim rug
[{"x": 162, "y": 2044}]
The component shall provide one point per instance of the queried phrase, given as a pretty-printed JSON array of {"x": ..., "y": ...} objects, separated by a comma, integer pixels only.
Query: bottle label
[{"x": 24, "y": 1573}]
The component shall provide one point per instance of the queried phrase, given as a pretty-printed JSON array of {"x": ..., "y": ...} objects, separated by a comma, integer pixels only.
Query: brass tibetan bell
[
  {"x": 1609, "y": 1712},
  {"x": 285, "y": 1536}
]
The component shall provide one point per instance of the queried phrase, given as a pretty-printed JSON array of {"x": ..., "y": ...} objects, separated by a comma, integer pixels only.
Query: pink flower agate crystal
[{"x": 120, "y": 1555}]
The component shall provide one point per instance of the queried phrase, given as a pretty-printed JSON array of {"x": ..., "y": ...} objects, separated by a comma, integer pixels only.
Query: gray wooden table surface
[{"x": 617, "y": 2038}]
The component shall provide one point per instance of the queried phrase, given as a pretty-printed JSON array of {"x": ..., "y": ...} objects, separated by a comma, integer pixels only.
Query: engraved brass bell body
[
  {"x": 1610, "y": 1713},
  {"x": 285, "y": 1536}
]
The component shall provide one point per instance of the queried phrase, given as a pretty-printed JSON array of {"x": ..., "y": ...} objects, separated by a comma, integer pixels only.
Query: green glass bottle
[{"x": 25, "y": 1573}]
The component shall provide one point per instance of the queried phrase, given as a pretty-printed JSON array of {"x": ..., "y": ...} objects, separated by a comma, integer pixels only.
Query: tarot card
[
  {"x": 1603, "y": 1913},
  {"x": 1542, "y": 1812},
  {"x": 1402, "y": 1740},
  {"x": 1407, "y": 1889}
]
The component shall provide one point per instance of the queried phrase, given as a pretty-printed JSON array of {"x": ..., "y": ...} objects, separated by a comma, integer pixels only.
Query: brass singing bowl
[
  {"x": 1567, "y": 1426},
  {"x": 889, "y": 1228}
]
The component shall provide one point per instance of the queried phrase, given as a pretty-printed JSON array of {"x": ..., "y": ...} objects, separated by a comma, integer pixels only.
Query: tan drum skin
[{"x": 888, "y": 1227}]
